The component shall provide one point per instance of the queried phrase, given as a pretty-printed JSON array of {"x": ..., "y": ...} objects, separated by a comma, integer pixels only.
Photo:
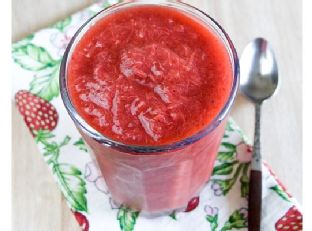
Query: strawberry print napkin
[{"x": 222, "y": 204}]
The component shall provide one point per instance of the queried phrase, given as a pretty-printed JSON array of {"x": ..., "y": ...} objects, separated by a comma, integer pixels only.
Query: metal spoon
[{"x": 259, "y": 80}]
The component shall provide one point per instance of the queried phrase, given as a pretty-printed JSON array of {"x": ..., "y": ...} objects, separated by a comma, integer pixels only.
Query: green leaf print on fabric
[
  {"x": 280, "y": 192},
  {"x": 23, "y": 42},
  {"x": 32, "y": 57},
  {"x": 173, "y": 215},
  {"x": 244, "y": 180},
  {"x": 237, "y": 220},
  {"x": 74, "y": 187},
  {"x": 70, "y": 178},
  {"x": 233, "y": 159},
  {"x": 223, "y": 186},
  {"x": 42, "y": 136},
  {"x": 80, "y": 144},
  {"x": 225, "y": 156},
  {"x": 68, "y": 169},
  {"x": 62, "y": 24},
  {"x": 229, "y": 127},
  {"x": 232, "y": 127},
  {"x": 229, "y": 146},
  {"x": 213, "y": 220},
  {"x": 224, "y": 168},
  {"x": 127, "y": 218},
  {"x": 46, "y": 83}
]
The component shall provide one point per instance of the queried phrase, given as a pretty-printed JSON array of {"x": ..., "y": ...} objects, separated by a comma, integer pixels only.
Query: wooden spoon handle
[{"x": 254, "y": 200}]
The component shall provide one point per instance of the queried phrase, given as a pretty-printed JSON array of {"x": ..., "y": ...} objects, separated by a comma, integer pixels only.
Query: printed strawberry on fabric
[
  {"x": 38, "y": 113},
  {"x": 82, "y": 221},
  {"x": 292, "y": 220}
]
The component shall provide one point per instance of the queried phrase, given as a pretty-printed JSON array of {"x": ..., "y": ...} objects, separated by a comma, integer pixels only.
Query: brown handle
[{"x": 254, "y": 200}]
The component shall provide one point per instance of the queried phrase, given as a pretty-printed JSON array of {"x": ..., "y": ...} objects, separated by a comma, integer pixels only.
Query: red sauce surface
[{"x": 149, "y": 75}]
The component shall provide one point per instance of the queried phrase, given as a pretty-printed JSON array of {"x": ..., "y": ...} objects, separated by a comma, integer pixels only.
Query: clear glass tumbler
[{"x": 155, "y": 179}]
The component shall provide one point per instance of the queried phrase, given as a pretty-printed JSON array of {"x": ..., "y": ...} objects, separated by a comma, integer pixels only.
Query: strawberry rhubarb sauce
[{"x": 149, "y": 76}]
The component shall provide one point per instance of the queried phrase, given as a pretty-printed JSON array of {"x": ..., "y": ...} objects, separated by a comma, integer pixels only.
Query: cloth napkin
[{"x": 222, "y": 204}]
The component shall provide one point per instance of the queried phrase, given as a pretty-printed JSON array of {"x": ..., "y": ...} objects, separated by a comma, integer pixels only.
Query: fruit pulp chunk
[{"x": 149, "y": 75}]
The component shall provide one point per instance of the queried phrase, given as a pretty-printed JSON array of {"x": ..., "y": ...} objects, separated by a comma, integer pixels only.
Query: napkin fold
[{"x": 222, "y": 204}]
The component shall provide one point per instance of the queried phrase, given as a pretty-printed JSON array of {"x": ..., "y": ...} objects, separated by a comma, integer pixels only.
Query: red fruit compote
[{"x": 149, "y": 86}]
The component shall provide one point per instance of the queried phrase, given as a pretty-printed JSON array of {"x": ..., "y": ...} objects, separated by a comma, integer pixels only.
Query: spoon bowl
[{"x": 259, "y": 73}]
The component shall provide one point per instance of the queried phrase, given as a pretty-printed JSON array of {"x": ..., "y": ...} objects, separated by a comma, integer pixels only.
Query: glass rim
[{"x": 108, "y": 142}]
